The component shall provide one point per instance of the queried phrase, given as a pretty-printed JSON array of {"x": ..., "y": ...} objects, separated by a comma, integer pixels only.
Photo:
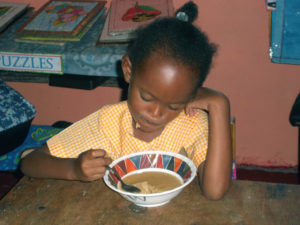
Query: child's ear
[{"x": 127, "y": 68}]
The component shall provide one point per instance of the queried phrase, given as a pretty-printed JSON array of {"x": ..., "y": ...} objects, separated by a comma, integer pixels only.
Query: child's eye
[
  {"x": 175, "y": 108},
  {"x": 145, "y": 98}
]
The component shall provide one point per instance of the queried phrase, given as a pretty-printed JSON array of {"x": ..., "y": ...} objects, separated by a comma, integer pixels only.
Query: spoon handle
[{"x": 126, "y": 187}]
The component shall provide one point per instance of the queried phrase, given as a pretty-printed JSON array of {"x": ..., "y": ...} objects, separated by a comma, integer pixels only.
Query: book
[
  {"x": 60, "y": 40},
  {"x": 9, "y": 12},
  {"x": 41, "y": 42},
  {"x": 76, "y": 57},
  {"x": 127, "y": 15},
  {"x": 106, "y": 39},
  {"x": 59, "y": 18}
]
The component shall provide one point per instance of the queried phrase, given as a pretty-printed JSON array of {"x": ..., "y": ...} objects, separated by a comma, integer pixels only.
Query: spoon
[{"x": 126, "y": 187}]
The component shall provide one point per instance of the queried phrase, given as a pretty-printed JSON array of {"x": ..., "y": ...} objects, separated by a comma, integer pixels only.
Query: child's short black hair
[{"x": 175, "y": 39}]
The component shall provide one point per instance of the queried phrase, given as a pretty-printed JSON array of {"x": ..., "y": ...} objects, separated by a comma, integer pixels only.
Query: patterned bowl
[{"x": 168, "y": 162}]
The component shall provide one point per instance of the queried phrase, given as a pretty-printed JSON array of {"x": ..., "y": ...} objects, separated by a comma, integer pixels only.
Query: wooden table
[{"x": 46, "y": 201}]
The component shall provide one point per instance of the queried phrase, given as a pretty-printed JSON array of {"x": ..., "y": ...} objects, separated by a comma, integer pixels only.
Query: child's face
[{"x": 158, "y": 92}]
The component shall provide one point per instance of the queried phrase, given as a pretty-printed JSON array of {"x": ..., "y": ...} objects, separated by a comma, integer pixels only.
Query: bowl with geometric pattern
[{"x": 160, "y": 175}]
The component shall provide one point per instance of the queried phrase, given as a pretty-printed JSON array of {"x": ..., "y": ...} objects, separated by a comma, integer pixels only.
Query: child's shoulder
[
  {"x": 199, "y": 119},
  {"x": 117, "y": 106},
  {"x": 114, "y": 109},
  {"x": 200, "y": 115},
  {"x": 111, "y": 117}
]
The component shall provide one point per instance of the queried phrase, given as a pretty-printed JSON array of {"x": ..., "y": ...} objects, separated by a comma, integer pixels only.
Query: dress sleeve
[
  {"x": 81, "y": 136},
  {"x": 198, "y": 143}
]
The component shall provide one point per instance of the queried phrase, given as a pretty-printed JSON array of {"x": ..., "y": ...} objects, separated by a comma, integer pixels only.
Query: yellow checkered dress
[{"x": 110, "y": 128}]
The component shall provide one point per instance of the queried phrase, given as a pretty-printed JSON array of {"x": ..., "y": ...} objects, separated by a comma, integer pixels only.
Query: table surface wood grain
[{"x": 47, "y": 201}]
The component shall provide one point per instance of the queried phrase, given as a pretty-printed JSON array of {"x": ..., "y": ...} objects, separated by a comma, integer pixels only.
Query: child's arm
[
  {"x": 88, "y": 166},
  {"x": 215, "y": 171}
]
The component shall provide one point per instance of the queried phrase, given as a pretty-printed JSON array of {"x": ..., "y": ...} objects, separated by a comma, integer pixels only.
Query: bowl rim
[{"x": 186, "y": 159}]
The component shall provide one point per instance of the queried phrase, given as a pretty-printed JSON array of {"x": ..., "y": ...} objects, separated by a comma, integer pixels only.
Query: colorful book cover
[
  {"x": 106, "y": 39},
  {"x": 9, "y": 12},
  {"x": 61, "y": 39},
  {"x": 62, "y": 17},
  {"x": 127, "y": 15}
]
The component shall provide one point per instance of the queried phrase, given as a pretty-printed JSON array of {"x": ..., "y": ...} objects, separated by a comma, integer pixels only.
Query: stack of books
[
  {"x": 60, "y": 21},
  {"x": 125, "y": 16},
  {"x": 10, "y": 12}
]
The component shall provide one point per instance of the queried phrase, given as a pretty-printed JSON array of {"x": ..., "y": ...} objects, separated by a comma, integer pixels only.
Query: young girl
[{"x": 167, "y": 109}]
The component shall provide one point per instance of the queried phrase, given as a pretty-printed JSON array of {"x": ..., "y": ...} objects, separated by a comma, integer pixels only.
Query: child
[{"x": 167, "y": 109}]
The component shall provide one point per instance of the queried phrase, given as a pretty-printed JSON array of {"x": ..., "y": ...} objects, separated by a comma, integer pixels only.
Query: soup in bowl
[{"x": 159, "y": 175}]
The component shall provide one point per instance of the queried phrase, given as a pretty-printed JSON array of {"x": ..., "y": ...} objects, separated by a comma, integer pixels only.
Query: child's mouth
[{"x": 147, "y": 123}]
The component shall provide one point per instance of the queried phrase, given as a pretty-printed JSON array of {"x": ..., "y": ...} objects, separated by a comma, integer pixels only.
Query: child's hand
[
  {"x": 208, "y": 100},
  {"x": 90, "y": 165}
]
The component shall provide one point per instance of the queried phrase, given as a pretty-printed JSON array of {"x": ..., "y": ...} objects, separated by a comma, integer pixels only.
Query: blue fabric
[
  {"x": 285, "y": 33},
  {"x": 14, "y": 109},
  {"x": 37, "y": 136}
]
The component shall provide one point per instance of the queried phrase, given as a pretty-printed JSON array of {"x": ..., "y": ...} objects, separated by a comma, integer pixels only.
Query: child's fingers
[
  {"x": 96, "y": 159},
  {"x": 93, "y": 153},
  {"x": 191, "y": 109},
  {"x": 99, "y": 152},
  {"x": 97, "y": 166},
  {"x": 89, "y": 166},
  {"x": 94, "y": 156},
  {"x": 91, "y": 171},
  {"x": 100, "y": 162}
]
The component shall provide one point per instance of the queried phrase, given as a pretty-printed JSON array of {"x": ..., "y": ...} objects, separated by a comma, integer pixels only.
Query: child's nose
[{"x": 156, "y": 110}]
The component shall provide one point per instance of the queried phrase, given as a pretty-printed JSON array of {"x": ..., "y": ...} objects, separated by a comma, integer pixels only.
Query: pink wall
[{"x": 261, "y": 92}]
